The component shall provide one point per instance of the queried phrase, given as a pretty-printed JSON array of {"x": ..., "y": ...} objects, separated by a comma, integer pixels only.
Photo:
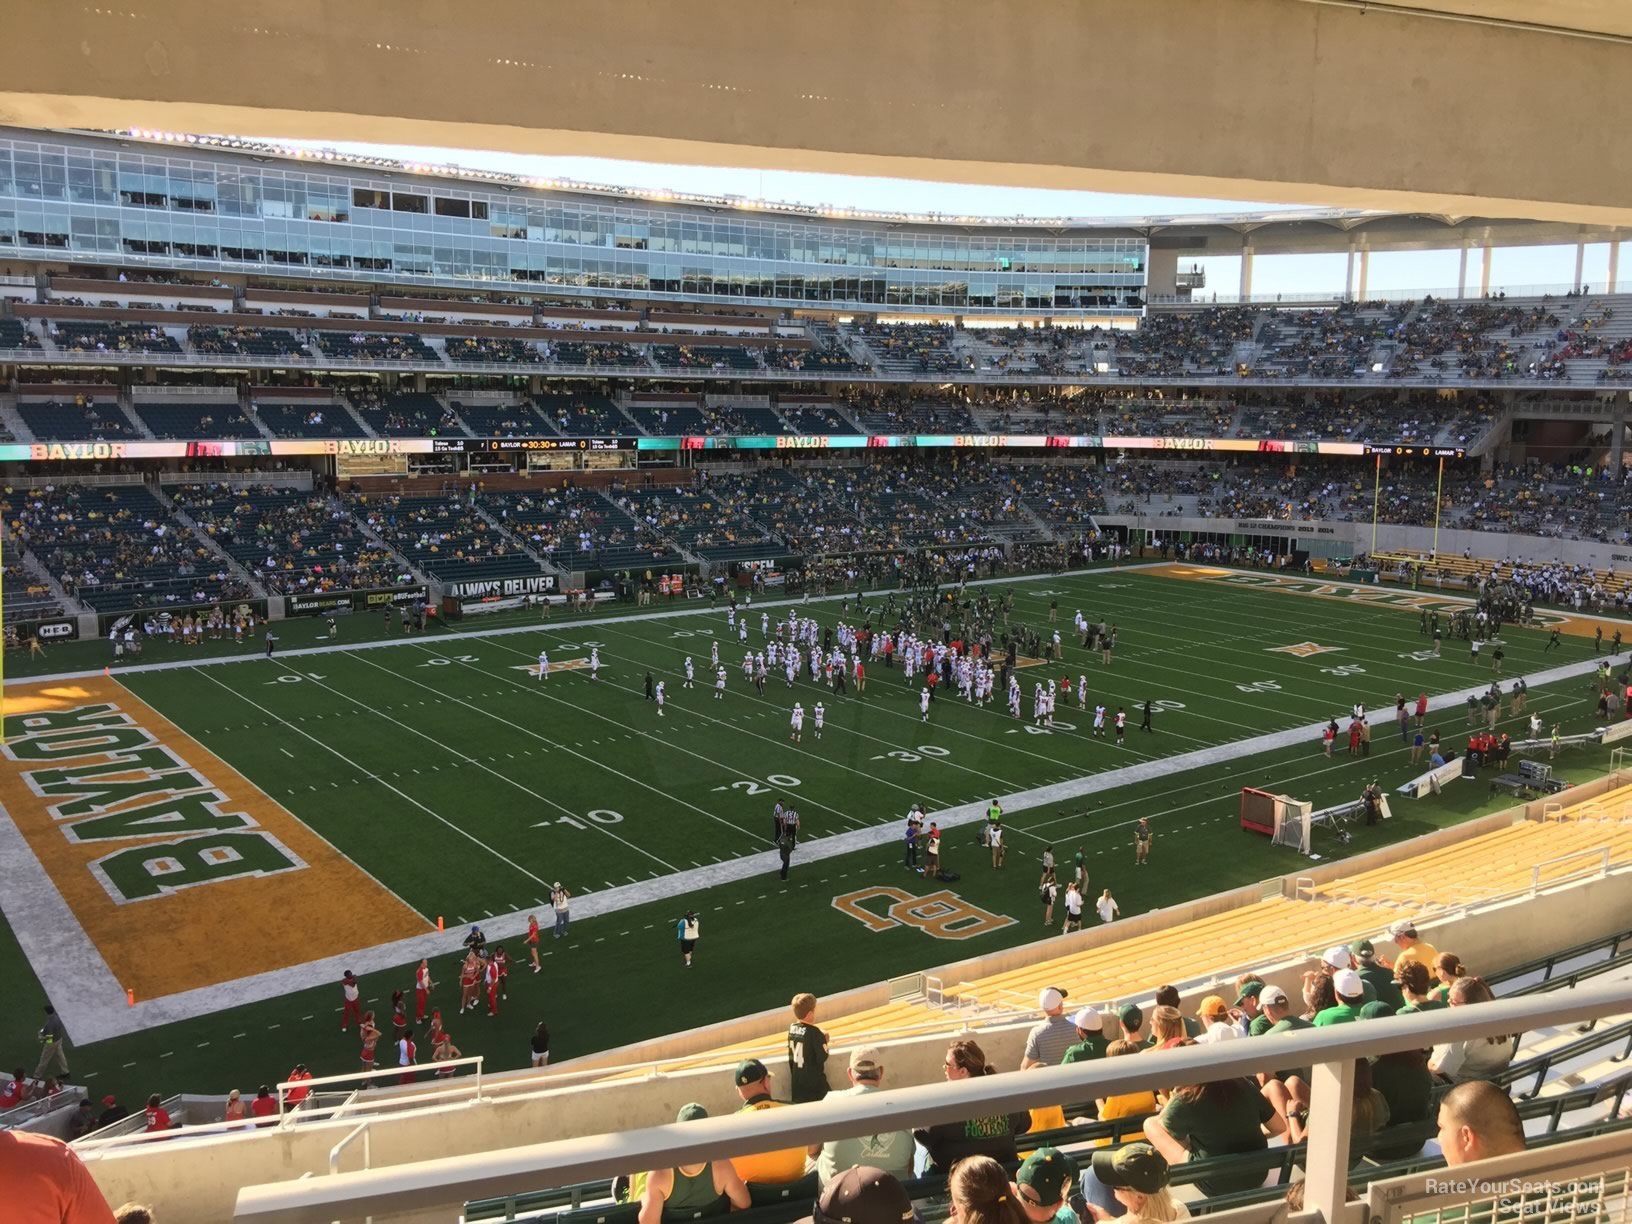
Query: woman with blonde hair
[
  {"x": 981, "y": 1193},
  {"x": 1137, "y": 1175},
  {"x": 1166, "y": 1027}
]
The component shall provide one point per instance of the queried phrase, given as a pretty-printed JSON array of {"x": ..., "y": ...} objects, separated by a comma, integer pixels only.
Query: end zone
[{"x": 139, "y": 860}]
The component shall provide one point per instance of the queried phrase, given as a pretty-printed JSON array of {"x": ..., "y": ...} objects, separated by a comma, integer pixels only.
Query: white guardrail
[{"x": 447, "y": 1183}]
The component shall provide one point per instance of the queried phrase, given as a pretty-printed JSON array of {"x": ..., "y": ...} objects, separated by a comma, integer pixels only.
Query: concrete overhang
[{"x": 1325, "y": 102}]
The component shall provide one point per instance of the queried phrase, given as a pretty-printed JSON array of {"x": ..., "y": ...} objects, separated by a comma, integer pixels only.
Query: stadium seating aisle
[
  {"x": 294, "y": 541},
  {"x": 212, "y": 419},
  {"x": 116, "y": 547},
  {"x": 443, "y": 536}
]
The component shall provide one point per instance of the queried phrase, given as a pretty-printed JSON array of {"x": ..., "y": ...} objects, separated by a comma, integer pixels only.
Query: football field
[{"x": 221, "y": 837}]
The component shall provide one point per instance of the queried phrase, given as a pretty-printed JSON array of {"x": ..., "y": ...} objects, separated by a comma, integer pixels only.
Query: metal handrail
[
  {"x": 361, "y": 1129},
  {"x": 1330, "y": 1050},
  {"x": 1601, "y": 853}
]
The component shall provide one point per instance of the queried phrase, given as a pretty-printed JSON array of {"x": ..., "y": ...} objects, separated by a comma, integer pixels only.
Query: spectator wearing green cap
[
  {"x": 1132, "y": 1021},
  {"x": 753, "y": 1083},
  {"x": 686, "y": 1190},
  {"x": 1043, "y": 1184},
  {"x": 1373, "y": 974},
  {"x": 1137, "y": 1175}
]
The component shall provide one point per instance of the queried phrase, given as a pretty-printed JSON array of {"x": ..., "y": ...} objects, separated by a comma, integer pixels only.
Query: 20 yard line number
[
  {"x": 600, "y": 816},
  {"x": 751, "y": 786}
]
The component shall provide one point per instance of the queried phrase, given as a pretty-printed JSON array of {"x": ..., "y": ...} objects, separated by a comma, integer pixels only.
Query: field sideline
[{"x": 439, "y": 772}]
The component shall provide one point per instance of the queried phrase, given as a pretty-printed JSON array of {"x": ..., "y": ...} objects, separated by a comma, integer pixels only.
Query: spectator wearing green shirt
[
  {"x": 1351, "y": 997},
  {"x": 1412, "y": 979},
  {"x": 1383, "y": 987},
  {"x": 1223, "y": 1118},
  {"x": 1091, "y": 1041}
]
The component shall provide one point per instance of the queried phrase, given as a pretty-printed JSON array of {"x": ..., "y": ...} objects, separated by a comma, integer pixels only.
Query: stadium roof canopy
[{"x": 1497, "y": 108}]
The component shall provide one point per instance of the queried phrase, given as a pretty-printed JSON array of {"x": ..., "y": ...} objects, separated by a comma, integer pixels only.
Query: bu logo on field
[
  {"x": 1303, "y": 649},
  {"x": 942, "y": 914}
]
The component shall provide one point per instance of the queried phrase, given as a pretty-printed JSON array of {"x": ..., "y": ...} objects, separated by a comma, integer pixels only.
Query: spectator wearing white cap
[
  {"x": 891, "y": 1151},
  {"x": 1339, "y": 958},
  {"x": 1052, "y": 1036},
  {"x": 1090, "y": 1043},
  {"x": 1404, "y": 935},
  {"x": 1273, "y": 1007},
  {"x": 1351, "y": 997}
]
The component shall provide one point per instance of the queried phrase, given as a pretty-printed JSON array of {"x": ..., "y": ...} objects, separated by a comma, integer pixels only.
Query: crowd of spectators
[
  {"x": 578, "y": 528},
  {"x": 370, "y": 346},
  {"x": 249, "y": 341},
  {"x": 117, "y": 546},
  {"x": 1186, "y": 342},
  {"x": 495, "y": 349},
  {"x": 112, "y": 338},
  {"x": 918, "y": 348},
  {"x": 295, "y": 542}
]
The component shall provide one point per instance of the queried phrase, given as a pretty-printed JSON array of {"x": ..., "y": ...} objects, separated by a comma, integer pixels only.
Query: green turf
[{"x": 462, "y": 784}]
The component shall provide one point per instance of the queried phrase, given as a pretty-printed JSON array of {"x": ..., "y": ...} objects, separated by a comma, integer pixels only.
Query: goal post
[{"x": 1283, "y": 819}]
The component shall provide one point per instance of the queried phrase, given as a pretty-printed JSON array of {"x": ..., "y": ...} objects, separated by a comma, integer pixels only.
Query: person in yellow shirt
[
  {"x": 1404, "y": 935},
  {"x": 1128, "y": 1104},
  {"x": 773, "y": 1168}
]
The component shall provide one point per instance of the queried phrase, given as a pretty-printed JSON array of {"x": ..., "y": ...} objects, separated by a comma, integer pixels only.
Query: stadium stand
[
  {"x": 579, "y": 530},
  {"x": 443, "y": 536},
  {"x": 115, "y": 546},
  {"x": 490, "y": 420},
  {"x": 584, "y": 415},
  {"x": 366, "y": 346},
  {"x": 81, "y": 419},
  {"x": 703, "y": 521},
  {"x": 605, "y": 354},
  {"x": 14, "y": 335},
  {"x": 249, "y": 341},
  {"x": 209, "y": 419},
  {"x": 294, "y": 541},
  {"x": 112, "y": 337},
  {"x": 719, "y": 360},
  {"x": 493, "y": 349},
  {"x": 306, "y": 419},
  {"x": 408, "y": 414}
]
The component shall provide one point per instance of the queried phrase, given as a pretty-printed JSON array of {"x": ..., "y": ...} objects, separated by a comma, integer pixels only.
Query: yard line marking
[
  {"x": 128, "y": 1066},
  {"x": 287, "y": 753},
  {"x": 235, "y": 1036},
  {"x": 534, "y": 688}
]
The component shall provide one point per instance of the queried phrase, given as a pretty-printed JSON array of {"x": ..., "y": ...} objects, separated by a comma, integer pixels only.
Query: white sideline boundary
[
  {"x": 93, "y": 1006},
  {"x": 255, "y": 653}
]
